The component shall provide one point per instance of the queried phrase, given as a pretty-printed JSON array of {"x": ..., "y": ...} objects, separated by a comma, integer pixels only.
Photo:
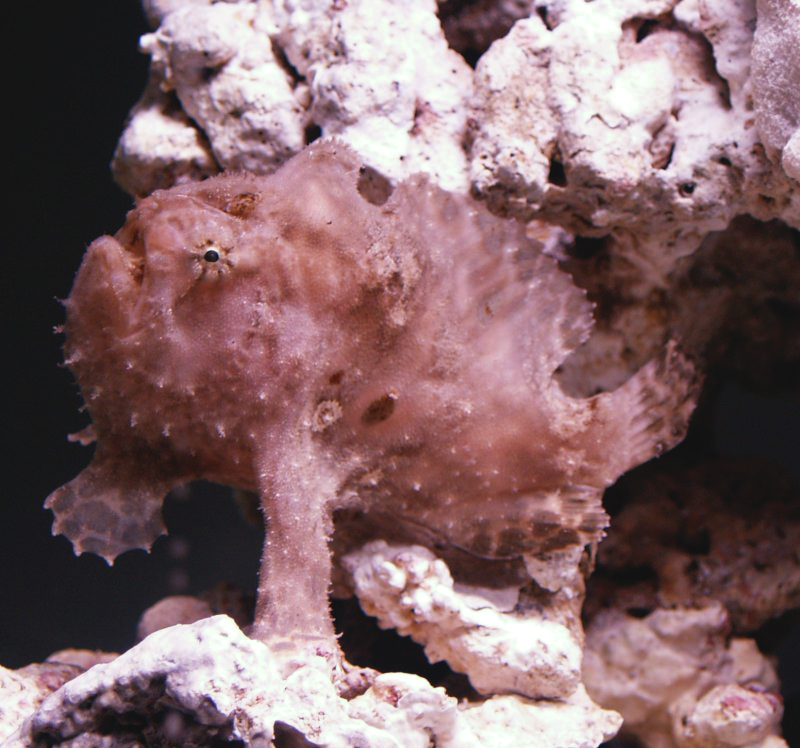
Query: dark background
[{"x": 73, "y": 73}]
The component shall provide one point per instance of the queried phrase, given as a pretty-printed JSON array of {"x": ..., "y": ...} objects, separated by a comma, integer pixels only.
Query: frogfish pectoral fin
[
  {"x": 650, "y": 413},
  {"x": 108, "y": 510}
]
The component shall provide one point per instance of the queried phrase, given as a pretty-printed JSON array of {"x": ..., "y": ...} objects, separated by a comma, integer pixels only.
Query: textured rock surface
[
  {"x": 21, "y": 692},
  {"x": 729, "y": 715},
  {"x": 576, "y": 722},
  {"x": 626, "y": 120},
  {"x": 677, "y": 681},
  {"x": 207, "y": 680},
  {"x": 602, "y": 116},
  {"x": 217, "y": 61},
  {"x": 383, "y": 79},
  {"x": 160, "y": 146},
  {"x": 474, "y": 629},
  {"x": 733, "y": 304},
  {"x": 629, "y": 124},
  {"x": 725, "y": 531},
  {"x": 776, "y": 81},
  {"x": 257, "y": 80}
]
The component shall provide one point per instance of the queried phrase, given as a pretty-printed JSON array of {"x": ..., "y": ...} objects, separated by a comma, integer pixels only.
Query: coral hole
[
  {"x": 557, "y": 175},
  {"x": 312, "y": 132}
]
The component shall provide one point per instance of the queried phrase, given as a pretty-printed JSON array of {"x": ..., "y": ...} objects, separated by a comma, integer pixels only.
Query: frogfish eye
[{"x": 211, "y": 255}]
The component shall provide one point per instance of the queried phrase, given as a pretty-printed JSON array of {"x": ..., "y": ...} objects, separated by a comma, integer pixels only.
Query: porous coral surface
[
  {"x": 205, "y": 681},
  {"x": 678, "y": 680},
  {"x": 726, "y": 531}
]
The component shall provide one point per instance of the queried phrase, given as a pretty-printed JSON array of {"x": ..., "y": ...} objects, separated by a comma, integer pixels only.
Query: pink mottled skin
[{"x": 283, "y": 334}]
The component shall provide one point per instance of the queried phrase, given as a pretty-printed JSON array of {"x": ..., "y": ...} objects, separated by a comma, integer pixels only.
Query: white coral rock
[
  {"x": 602, "y": 123},
  {"x": 210, "y": 673},
  {"x": 513, "y": 722},
  {"x": 408, "y": 588},
  {"x": 208, "y": 679},
  {"x": 160, "y": 147},
  {"x": 678, "y": 683},
  {"x": 776, "y": 78},
  {"x": 383, "y": 79},
  {"x": 219, "y": 62},
  {"x": 19, "y": 694},
  {"x": 252, "y": 77},
  {"x": 728, "y": 715}
]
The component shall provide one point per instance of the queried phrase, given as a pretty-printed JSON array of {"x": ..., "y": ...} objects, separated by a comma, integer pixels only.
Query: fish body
[{"x": 287, "y": 334}]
